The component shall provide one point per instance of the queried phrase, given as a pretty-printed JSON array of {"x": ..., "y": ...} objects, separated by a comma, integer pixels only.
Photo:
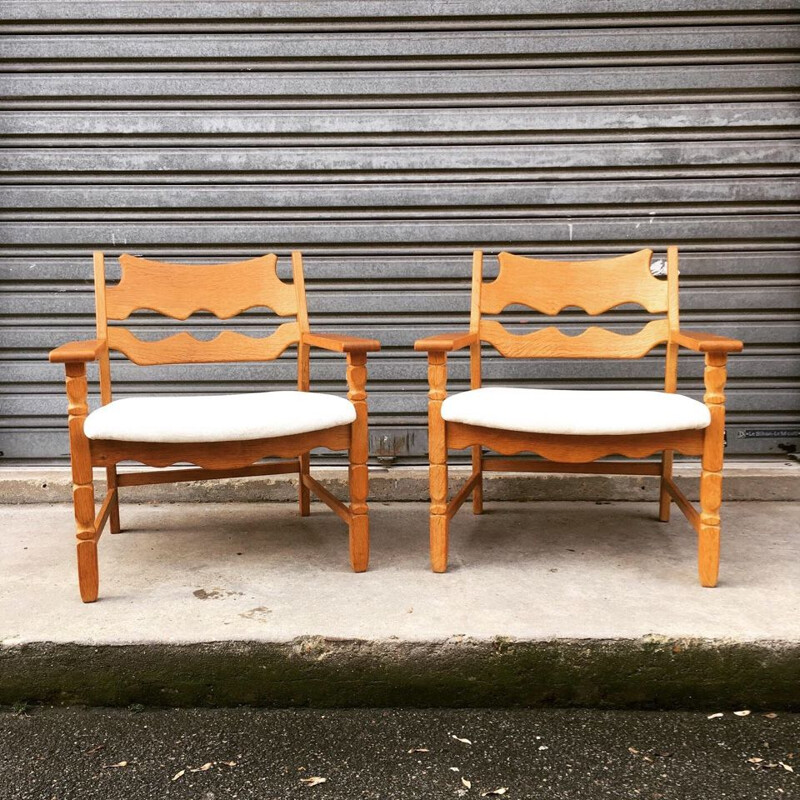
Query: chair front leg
[
  {"x": 437, "y": 450},
  {"x": 711, "y": 475},
  {"x": 82, "y": 484},
  {"x": 359, "y": 453}
]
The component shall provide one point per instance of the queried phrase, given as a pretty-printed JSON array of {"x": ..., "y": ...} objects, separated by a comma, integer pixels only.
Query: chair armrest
[
  {"x": 341, "y": 344},
  {"x": 78, "y": 352},
  {"x": 446, "y": 342},
  {"x": 707, "y": 342}
]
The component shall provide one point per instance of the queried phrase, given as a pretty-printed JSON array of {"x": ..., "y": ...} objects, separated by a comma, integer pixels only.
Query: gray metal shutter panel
[{"x": 387, "y": 147}]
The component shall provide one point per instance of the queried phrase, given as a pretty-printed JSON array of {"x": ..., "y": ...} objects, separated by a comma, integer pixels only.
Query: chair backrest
[
  {"x": 594, "y": 286},
  {"x": 180, "y": 290}
]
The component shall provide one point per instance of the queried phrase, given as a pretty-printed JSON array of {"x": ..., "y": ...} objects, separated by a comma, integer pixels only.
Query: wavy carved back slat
[
  {"x": 180, "y": 290},
  {"x": 183, "y": 348},
  {"x": 592, "y": 343},
  {"x": 595, "y": 286}
]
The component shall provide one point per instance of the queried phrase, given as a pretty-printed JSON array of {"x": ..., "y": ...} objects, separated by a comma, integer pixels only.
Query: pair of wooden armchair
[{"x": 230, "y": 435}]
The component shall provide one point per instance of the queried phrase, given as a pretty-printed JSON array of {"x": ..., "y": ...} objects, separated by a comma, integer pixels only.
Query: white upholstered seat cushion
[
  {"x": 218, "y": 418},
  {"x": 575, "y": 412}
]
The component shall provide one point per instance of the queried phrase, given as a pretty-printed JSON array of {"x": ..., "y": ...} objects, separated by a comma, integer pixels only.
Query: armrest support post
[
  {"x": 359, "y": 455},
  {"x": 437, "y": 449},
  {"x": 711, "y": 474}
]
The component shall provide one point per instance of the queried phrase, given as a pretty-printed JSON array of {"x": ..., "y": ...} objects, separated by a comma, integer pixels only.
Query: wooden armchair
[
  {"x": 571, "y": 428},
  {"x": 224, "y": 435}
]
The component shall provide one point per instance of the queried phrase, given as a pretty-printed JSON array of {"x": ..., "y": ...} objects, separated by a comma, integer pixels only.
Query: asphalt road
[{"x": 204, "y": 754}]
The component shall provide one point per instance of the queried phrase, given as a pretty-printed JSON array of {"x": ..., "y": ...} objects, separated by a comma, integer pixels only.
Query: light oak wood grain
[
  {"x": 594, "y": 286},
  {"x": 82, "y": 483},
  {"x": 447, "y": 342},
  {"x": 339, "y": 343},
  {"x": 180, "y": 290},
  {"x": 359, "y": 452},
  {"x": 594, "y": 342},
  {"x": 573, "y": 448},
  {"x": 670, "y": 373},
  {"x": 475, "y": 371},
  {"x": 500, "y": 464},
  {"x": 195, "y": 474},
  {"x": 711, "y": 475},
  {"x": 183, "y": 348},
  {"x": 706, "y": 342},
  {"x": 73, "y": 352},
  {"x": 217, "y": 455},
  {"x": 336, "y": 505},
  {"x": 462, "y": 494},
  {"x": 437, "y": 453},
  {"x": 303, "y": 374}
]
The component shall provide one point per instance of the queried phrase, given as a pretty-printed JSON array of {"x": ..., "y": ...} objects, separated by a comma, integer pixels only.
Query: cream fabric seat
[
  {"x": 575, "y": 412},
  {"x": 218, "y": 418}
]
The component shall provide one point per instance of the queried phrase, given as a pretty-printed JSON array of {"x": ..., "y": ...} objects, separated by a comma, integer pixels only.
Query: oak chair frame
[
  {"x": 595, "y": 286},
  {"x": 226, "y": 290}
]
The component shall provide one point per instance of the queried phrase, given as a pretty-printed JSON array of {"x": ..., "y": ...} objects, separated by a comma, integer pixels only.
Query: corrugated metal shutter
[{"x": 387, "y": 139}]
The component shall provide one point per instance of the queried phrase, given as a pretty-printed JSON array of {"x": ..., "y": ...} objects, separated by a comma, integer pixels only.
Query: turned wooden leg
[
  {"x": 82, "y": 484},
  {"x": 113, "y": 516},
  {"x": 359, "y": 522},
  {"x": 711, "y": 475},
  {"x": 303, "y": 492},
  {"x": 477, "y": 466},
  {"x": 665, "y": 499},
  {"x": 437, "y": 449},
  {"x": 708, "y": 541},
  {"x": 88, "y": 574},
  {"x": 359, "y": 542},
  {"x": 359, "y": 454}
]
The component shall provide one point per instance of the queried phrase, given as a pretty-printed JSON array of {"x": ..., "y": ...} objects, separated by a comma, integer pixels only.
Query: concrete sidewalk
[{"x": 548, "y": 602}]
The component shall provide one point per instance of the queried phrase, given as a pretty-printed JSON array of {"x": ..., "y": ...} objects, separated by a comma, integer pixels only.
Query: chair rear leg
[
  {"x": 477, "y": 493},
  {"x": 113, "y": 516},
  {"x": 303, "y": 492},
  {"x": 665, "y": 499}
]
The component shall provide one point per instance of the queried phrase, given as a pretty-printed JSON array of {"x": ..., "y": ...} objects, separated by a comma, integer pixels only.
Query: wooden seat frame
[
  {"x": 226, "y": 290},
  {"x": 595, "y": 286}
]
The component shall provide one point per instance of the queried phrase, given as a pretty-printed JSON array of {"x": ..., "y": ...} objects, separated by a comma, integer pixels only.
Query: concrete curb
[
  {"x": 743, "y": 481},
  {"x": 312, "y": 671}
]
